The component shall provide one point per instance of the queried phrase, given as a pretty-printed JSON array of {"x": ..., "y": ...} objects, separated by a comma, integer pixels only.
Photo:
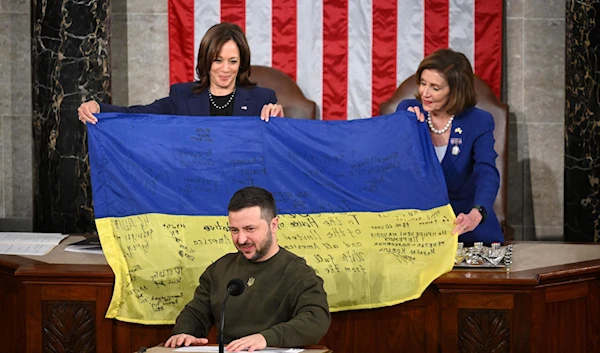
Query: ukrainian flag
[{"x": 363, "y": 201}]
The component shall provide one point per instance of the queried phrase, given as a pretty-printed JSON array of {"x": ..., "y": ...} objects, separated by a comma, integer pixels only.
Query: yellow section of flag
[{"x": 366, "y": 259}]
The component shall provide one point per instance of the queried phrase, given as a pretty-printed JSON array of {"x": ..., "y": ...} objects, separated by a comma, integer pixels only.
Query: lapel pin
[
  {"x": 456, "y": 141},
  {"x": 455, "y": 150},
  {"x": 458, "y": 130},
  {"x": 244, "y": 107},
  {"x": 251, "y": 281}
]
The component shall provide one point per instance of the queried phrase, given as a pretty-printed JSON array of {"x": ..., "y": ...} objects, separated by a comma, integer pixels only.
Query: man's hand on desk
[
  {"x": 183, "y": 339},
  {"x": 251, "y": 343}
]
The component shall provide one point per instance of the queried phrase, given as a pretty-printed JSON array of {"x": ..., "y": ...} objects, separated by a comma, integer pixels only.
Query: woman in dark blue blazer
[
  {"x": 463, "y": 139},
  {"x": 223, "y": 87}
]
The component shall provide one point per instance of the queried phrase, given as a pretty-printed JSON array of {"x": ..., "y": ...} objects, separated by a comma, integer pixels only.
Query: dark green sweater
[{"x": 286, "y": 303}]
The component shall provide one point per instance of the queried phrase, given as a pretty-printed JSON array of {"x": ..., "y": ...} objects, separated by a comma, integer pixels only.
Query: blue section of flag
[{"x": 184, "y": 165}]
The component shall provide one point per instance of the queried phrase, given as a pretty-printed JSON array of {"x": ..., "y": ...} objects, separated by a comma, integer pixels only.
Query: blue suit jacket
[
  {"x": 183, "y": 101},
  {"x": 471, "y": 175}
]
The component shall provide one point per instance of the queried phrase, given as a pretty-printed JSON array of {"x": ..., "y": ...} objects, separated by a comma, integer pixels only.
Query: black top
[{"x": 221, "y": 101}]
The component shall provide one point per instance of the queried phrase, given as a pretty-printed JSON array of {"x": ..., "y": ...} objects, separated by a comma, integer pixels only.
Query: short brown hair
[
  {"x": 211, "y": 46},
  {"x": 457, "y": 70}
]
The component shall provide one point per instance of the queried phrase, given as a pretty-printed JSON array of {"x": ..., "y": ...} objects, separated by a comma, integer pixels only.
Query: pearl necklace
[
  {"x": 433, "y": 129},
  {"x": 221, "y": 107}
]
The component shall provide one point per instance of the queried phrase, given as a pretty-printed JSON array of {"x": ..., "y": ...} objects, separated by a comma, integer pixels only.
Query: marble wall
[
  {"x": 16, "y": 200},
  {"x": 582, "y": 122},
  {"x": 70, "y": 65},
  {"x": 140, "y": 51},
  {"x": 534, "y": 90}
]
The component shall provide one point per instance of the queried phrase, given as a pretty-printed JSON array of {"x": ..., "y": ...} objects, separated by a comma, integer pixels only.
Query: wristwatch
[{"x": 483, "y": 212}]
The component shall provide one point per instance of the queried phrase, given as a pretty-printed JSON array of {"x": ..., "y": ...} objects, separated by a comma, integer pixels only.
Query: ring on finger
[{"x": 464, "y": 227}]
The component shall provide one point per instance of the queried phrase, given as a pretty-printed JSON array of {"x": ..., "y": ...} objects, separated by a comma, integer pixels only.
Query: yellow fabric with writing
[{"x": 366, "y": 259}]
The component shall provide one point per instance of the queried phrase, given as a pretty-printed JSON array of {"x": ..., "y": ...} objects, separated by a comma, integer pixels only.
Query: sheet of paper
[
  {"x": 85, "y": 249},
  {"x": 210, "y": 349},
  {"x": 13, "y": 243},
  {"x": 31, "y": 238},
  {"x": 25, "y": 249}
]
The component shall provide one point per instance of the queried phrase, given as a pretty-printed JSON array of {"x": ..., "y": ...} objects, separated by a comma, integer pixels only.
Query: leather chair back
[{"x": 289, "y": 95}]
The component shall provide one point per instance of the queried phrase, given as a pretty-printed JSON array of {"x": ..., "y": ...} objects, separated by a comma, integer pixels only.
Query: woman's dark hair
[
  {"x": 457, "y": 70},
  {"x": 211, "y": 46},
  {"x": 254, "y": 196}
]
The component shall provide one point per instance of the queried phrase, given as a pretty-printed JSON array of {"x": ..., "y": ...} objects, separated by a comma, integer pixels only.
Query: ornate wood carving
[
  {"x": 483, "y": 331},
  {"x": 69, "y": 326}
]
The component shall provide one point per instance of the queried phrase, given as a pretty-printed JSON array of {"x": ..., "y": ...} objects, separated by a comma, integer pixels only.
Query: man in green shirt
[{"x": 284, "y": 303}]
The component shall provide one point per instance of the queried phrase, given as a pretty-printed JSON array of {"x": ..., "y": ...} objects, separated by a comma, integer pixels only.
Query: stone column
[
  {"x": 70, "y": 65},
  {"x": 582, "y": 121}
]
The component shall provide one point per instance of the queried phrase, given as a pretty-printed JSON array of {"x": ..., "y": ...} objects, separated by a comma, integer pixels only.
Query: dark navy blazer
[
  {"x": 471, "y": 175},
  {"x": 183, "y": 101}
]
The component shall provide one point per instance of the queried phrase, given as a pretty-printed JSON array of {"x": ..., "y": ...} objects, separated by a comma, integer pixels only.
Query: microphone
[{"x": 235, "y": 287}]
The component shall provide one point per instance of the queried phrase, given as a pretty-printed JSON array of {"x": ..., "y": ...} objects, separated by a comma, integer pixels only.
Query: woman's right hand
[
  {"x": 417, "y": 110},
  {"x": 269, "y": 110},
  {"x": 87, "y": 110}
]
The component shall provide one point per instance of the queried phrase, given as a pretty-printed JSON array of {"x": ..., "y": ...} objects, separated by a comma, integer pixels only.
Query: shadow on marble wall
[
  {"x": 539, "y": 216},
  {"x": 16, "y": 224},
  {"x": 518, "y": 187},
  {"x": 527, "y": 220},
  {"x": 531, "y": 220},
  {"x": 140, "y": 51},
  {"x": 119, "y": 54}
]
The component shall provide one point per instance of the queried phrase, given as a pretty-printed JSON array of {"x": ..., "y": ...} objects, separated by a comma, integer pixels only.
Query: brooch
[
  {"x": 455, "y": 150},
  {"x": 455, "y": 142},
  {"x": 251, "y": 281}
]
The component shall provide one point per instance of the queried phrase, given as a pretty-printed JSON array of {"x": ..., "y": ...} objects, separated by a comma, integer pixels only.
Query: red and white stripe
[{"x": 346, "y": 55}]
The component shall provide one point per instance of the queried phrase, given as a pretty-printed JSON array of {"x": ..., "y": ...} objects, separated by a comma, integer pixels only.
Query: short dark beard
[{"x": 260, "y": 253}]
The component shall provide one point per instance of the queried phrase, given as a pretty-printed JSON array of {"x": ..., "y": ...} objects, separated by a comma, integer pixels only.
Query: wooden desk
[{"x": 549, "y": 302}]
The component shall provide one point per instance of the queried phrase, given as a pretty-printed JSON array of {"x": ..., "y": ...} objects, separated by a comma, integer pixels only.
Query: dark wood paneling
[
  {"x": 68, "y": 292},
  {"x": 483, "y": 331},
  {"x": 565, "y": 329},
  {"x": 104, "y": 327},
  {"x": 11, "y": 307},
  {"x": 573, "y": 290},
  {"x": 489, "y": 301},
  {"x": 33, "y": 325},
  {"x": 433, "y": 326},
  {"x": 148, "y": 336},
  {"x": 69, "y": 326},
  {"x": 122, "y": 337},
  {"x": 449, "y": 314},
  {"x": 392, "y": 329},
  {"x": 520, "y": 333},
  {"x": 593, "y": 331},
  {"x": 538, "y": 319}
]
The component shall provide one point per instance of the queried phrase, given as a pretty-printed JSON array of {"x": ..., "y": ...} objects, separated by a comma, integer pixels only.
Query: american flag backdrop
[{"x": 346, "y": 55}]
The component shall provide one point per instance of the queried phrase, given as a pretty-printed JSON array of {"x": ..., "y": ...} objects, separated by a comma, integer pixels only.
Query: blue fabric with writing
[{"x": 180, "y": 165}]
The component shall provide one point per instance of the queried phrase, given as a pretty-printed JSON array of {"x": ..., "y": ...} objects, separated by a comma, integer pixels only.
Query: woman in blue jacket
[
  {"x": 223, "y": 87},
  {"x": 463, "y": 139}
]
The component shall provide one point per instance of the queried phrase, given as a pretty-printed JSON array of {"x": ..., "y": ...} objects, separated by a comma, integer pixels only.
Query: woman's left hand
[
  {"x": 269, "y": 110},
  {"x": 420, "y": 113},
  {"x": 467, "y": 222}
]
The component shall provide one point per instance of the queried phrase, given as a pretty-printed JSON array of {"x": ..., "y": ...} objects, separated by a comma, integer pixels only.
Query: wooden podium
[{"x": 548, "y": 302}]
